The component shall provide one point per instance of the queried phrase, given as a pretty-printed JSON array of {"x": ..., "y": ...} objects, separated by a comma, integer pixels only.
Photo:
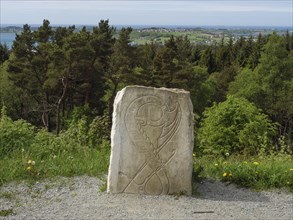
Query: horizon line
[{"x": 154, "y": 25}]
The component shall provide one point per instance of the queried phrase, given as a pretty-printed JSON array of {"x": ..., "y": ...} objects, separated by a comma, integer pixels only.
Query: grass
[
  {"x": 193, "y": 36},
  {"x": 103, "y": 187},
  {"x": 19, "y": 165},
  {"x": 6, "y": 212},
  {"x": 31, "y": 154},
  {"x": 7, "y": 195},
  {"x": 260, "y": 172}
]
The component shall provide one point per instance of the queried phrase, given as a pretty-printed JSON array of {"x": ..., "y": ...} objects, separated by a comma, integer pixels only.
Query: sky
[{"x": 160, "y": 12}]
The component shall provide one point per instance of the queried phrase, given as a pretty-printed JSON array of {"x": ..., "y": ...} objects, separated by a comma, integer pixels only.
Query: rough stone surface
[{"x": 151, "y": 142}]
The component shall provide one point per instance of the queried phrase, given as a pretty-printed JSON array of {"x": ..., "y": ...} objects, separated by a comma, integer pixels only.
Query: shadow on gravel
[{"x": 219, "y": 191}]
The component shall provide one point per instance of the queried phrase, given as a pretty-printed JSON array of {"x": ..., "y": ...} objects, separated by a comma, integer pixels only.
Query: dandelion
[
  {"x": 29, "y": 162},
  {"x": 193, "y": 155},
  {"x": 216, "y": 164},
  {"x": 230, "y": 174},
  {"x": 225, "y": 174},
  {"x": 256, "y": 163},
  {"x": 227, "y": 154},
  {"x": 291, "y": 169},
  {"x": 28, "y": 168}
]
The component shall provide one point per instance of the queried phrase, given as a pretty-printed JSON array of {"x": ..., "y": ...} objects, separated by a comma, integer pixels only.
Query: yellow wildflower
[
  {"x": 29, "y": 162},
  {"x": 225, "y": 174},
  {"x": 256, "y": 163},
  {"x": 28, "y": 168},
  {"x": 216, "y": 164},
  {"x": 193, "y": 155},
  {"x": 291, "y": 169},
  {"x": 230, "y": 174}
]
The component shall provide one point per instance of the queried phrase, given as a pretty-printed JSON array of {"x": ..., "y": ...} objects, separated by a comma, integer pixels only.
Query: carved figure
[{"x": 151, "y": 124}]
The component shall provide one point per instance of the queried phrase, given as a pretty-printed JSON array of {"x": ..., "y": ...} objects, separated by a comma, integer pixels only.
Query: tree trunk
[
  {"x": 45, "y": 115},
  {"x": 60, "y": 100},
  {"x": 111, "y": 102}
]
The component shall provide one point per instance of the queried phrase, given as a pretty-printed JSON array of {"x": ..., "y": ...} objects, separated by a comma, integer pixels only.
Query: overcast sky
[{"x": 192, "y": 12}]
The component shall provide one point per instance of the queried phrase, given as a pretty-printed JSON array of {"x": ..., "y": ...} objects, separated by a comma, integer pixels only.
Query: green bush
[
  {"x": 30, "y": 154},
  {"x": 235, "y": 126},
  {"x": 258, "y": 172},
  {"x": 14, "y": 134},
  {"x": 99, "y": 131},
  {"x": 87, "y": 132}
]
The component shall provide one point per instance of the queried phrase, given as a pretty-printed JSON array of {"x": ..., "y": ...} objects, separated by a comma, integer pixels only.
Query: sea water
[{"x": 7, "y": 38}]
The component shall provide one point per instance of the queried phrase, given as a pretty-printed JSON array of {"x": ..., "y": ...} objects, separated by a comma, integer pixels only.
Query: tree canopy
[{"x": 51, "y": 71}]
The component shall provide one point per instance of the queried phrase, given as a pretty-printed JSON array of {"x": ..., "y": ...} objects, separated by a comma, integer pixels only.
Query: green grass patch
[
  {"x": 259, "y": 172},
  {"x": 6, "y": 212},
  {"x": 7, "y": 195},
  {"x": 30, "y": 166},
  {"x": 31, "y": 154}
]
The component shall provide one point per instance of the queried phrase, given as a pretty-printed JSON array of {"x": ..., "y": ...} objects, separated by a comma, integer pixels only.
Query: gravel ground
[{"x": 80, "y": 198}]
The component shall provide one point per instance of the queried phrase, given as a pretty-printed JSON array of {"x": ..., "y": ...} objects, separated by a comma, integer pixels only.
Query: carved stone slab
[{"x": 151, "y": 141}]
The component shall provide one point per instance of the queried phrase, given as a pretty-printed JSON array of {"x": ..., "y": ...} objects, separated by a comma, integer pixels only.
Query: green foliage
[
  {"x": 50, "y": 71},
  {"x": 235, "y": 126},
  {"x": 14, "y": 134},
  {"x": 270, "y": 84},
  {"x": 222, "y": 80},
  {"x": 30, "y": 154},
  {"x": 246, "y": 85},
  {"x": 12, "y": 97},
  {"x": 6, "y": 212},
  {"x": 260, "y": 172},
  {"x": 99, "y": 131},
  {"x": 65, "y": 80},
  {"x": 201, "y": 88},
  {"x": 4, "y": 53}
]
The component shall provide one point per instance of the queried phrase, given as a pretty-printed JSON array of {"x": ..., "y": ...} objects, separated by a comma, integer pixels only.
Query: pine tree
[
  {"x": 29, "y": 67},
  {"x": 4, "y": 53}
]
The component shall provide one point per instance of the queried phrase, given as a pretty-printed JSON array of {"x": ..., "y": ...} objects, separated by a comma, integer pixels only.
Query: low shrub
[
  {"x": 30, "y": 154},
  {"x": 235, "y": 126},
  {"x": 14, "y": 134},
  {"x": 259, "y": 172}
]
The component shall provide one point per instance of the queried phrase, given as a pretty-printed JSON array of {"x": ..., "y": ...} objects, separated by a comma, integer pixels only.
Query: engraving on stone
[
  {"x": 151, "y": 124},
  {"x": 151, "y": 142}
]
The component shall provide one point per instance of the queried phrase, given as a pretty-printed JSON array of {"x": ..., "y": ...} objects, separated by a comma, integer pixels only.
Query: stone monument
[{"x": 151, "y": 142}]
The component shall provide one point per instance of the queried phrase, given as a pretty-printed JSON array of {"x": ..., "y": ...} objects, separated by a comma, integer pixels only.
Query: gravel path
[{"x": 80, "y": 198}]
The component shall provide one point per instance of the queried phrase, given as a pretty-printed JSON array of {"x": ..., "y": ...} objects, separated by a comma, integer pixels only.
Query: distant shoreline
[
  {"x": 135, "y": 26},
  {"x": 145, "y": 33}
]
